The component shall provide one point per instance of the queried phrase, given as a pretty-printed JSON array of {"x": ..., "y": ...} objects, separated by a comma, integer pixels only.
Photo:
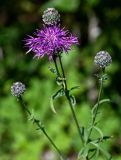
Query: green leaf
[
  {"x": 100, "y": 102},
  {"x": 60, "y": 80},
  {"x": 98, "y": 130},
  {"x": 105, "y": 153},
  {"x": 53, "y": 70},
  {"x": 106, "y": 137},
  {"x": 95, "y": 153},
  {"x": 73, "y": 88},
  {"x": 83, "y": 153},
  {"x": 98, "y": 140},
  {"x": 82, "y": 131},
  {"x": 85, "y": 134},
  {"x": 31, "y": 117},
  {"x": 104, "y": 77},
  {"x": 73, "y": 100},
  {"x": 58, "y": 94},
  {"x": 80, "y": 153},
  {"x": 52, "y": 105}
]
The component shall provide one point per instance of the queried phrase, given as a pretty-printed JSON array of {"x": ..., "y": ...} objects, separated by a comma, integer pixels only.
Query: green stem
[
  {"x": 40, "y": 126},
  {"x": 61, "y": 65},
  {"x": 74, "y": 116},
  {"x": 65, "y": 87},
  {"x": 51, "y": 141},
  {"x": 97, "y": 107},
  {"x": 99, "y": 96},
  {"x": 56, "y": 66}
]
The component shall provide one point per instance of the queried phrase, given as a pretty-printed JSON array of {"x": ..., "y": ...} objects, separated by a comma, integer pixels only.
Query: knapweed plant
[{"x": 53, "y": 41}]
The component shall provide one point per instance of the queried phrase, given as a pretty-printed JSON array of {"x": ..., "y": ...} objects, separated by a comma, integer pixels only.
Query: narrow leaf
[
  {"x": 76, "y": 87},
  {"x": 82, "y": 131},
  {"x": 59, "y": 93},
  {"x": 83, "y": 153},
  {"x": 94, "y": 154},
  {"x": 73, "y": 100},
  {"x": 105, "y": 153},
  {"x": 99, "y": 131},
  {"x": 52, "y": 105},
  {"x": 98, "y": 140},
  {"x": 53, "y": 70},
  {"x": 107, "y": 137},
  {"x": 100, "y": 102},
  {"x": 60, "y": 80},
  {"x": 31, "y": 118}
]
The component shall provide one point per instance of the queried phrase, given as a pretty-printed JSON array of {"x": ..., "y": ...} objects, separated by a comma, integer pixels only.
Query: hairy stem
[
  {"x": 65, "y": 87},
  {"x": 40, "y": 126}
]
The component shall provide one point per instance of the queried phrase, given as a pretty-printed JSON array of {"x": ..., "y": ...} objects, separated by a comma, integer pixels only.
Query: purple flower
[{"x": 50, "y": 41}]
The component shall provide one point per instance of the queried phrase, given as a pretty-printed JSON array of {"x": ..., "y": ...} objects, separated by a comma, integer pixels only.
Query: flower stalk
[
  {"x": 40, "y": 127},
  {"x": 65, "y": 87},
  {"x": 99, "y": 97},
  {"x": 97, "y": 106}
]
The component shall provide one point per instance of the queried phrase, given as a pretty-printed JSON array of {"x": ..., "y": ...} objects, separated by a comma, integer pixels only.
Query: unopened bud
[
  {"x": 17, "y": 89},
  {"x": 102, "y": 59},
  {"x": 51, "y": 16}
]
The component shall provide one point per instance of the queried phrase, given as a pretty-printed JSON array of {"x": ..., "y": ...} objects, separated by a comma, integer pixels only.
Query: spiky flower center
[{"x": 51, "y": 37}]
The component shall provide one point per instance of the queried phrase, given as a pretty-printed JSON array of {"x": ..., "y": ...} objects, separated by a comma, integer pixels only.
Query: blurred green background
[{"x": 97, "y": 23}]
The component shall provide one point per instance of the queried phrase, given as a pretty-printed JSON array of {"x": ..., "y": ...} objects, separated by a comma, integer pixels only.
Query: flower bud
[
  {"x": 51, "y": 16},
  {"x": 102, "y": 59},
  {"x": 17, "y": 89}
]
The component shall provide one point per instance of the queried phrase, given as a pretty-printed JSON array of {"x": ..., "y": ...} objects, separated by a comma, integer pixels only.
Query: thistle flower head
[
  {"x": 50, "y": 41},
  {"x": 102, "y": 59},
  {"x": 17, "y": 89},
  {"x": 51, "y": 16}
]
